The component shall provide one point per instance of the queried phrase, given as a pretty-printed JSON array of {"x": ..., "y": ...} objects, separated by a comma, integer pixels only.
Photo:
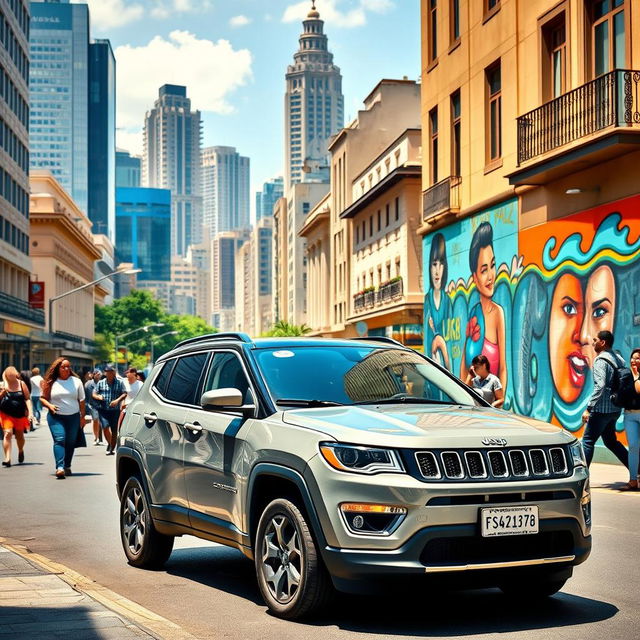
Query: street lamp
[
  {"x": 128, "y": 333},
  {"x": 168, "y": 333},
  {"x": 85, "y": 286}
]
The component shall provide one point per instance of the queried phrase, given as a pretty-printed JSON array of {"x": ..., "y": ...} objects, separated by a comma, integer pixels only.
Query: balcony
[
  {"x": 441, "y": 199},
  {"x": 388, "y": 291},
  {"x": 20, "y": 309},
  {"x": 591, "y": 124}
]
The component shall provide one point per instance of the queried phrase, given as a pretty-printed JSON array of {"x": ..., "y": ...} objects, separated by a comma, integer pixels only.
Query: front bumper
[{"x": 458, "y": 556}]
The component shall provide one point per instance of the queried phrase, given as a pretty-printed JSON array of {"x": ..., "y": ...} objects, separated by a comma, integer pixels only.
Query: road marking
[
  {"x": 156, "y": 625},
  {"x": 616, "y": 492}
]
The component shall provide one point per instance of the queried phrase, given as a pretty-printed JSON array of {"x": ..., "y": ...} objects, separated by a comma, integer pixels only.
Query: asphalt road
[{"x": 211, "y": 591}]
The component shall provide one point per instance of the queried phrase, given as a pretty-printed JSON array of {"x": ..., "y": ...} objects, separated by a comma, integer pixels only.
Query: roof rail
[
  {"x": 380, "y": 339},
  {"x": 223, "y": 335}
]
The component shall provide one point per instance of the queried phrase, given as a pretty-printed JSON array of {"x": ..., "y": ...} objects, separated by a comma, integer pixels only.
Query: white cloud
[
  {"x": 210, "y": 71},
  {"x": 130, "y": 141},
  {"x": 239, "y": 21},
  {"x": 107, "y": 14},
  {"x": 331, "y": 11},
  {"x": 165, "y": 8}
]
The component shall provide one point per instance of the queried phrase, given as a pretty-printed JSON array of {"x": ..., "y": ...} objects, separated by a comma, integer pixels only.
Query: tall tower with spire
[{"x": 314, "y": 105}]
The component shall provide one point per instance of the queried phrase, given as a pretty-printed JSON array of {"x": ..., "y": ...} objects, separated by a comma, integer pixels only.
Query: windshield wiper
[
  {"x": 403, "y": 400},
  {"x": 307, "y": 403}
]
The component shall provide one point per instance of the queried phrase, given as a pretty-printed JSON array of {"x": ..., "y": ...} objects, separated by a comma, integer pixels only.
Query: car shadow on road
[{"x": 218, "y": 567}]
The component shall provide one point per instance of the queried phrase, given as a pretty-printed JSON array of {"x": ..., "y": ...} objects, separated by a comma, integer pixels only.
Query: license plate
[{"x": 508, "y": 521}]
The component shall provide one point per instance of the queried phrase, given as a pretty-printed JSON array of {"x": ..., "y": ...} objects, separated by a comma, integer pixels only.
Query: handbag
[{"x": 81, "y": 441}]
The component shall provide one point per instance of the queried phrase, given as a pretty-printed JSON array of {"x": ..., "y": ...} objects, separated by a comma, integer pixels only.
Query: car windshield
[{"x": 326, "y": 375}]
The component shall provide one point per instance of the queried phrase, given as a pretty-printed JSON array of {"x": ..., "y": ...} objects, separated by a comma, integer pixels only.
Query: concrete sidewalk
[{"x": 39, "y": 599}]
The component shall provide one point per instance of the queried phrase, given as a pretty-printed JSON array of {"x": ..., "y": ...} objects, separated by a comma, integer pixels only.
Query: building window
[
  {"x": 454, "y": 21},
  {"x": 494, "y": 112},
  {"x": 387, "y": 215},
  {"x": 397, "y": 209},
  {"x": 491, "y": 7},
  {"x": 608, "y": 39},
  {"x": 433, "y": 136},
  {"x": 432, "y": 41},
  {"x": 554, "y": 57},
  {"x": 379, "y": 220},
  {"x": 455, "y": 133}
]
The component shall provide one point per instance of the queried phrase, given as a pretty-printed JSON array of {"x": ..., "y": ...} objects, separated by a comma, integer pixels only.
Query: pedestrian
[
  {"x": 14, "y": 413},
  {"x": 141, "y": 376},
  {"x": 63, "y": 396},
  {"x": 92, "y": 404},
  {"x": 36, "y": 394},
  {"x": 484, "y": 382},
  {"x": 25, "y": 376},
  {"x": 632, "y": 425},
  {"x": 601, "y": 414},
  {"x": 131, "y": 386},
  {"x": 108, "y": 392}
]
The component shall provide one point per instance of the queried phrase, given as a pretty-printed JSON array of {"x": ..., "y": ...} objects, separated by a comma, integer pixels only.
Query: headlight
[
  {"x": 367, "y": 460},
  {"x": 577, "y": 454}
]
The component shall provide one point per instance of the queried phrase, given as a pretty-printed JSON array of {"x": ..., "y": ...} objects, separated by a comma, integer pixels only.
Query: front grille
[
  {"x": 476, "y": 550},
  {"x": 517, "y": 463}
]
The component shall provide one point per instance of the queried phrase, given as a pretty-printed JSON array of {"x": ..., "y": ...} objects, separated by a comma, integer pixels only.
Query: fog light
[
  {"x": 372, "y": 519},
  {"x": 585, "y": 503}
]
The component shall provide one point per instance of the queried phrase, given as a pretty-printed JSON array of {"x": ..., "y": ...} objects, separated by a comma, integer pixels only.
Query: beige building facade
[
  {"x": 531, "y": 203},
  {"x": 63, "y": 253}
]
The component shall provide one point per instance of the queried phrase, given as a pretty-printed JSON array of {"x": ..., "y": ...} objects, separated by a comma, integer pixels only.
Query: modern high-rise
[
  {"x": 272, "y": 190},
  {"x": 226, "y": 188},
  {"x": 19, "y": 321},
  {"x": 172, "y": 133},
  {"x": 128, "y": 169},
  {"x": 313, "y": 106},
  {"x": 59, "y": 94},
  {"x": 102, "y": 139}
]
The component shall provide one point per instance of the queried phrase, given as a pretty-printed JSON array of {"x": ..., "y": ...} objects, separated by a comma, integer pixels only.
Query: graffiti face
[
  {"x": 569, "y": 365},
  {"x": 485, "y": 275},
  {"x": 437, "y": 271},
  {"x": 600, "y": 304}
]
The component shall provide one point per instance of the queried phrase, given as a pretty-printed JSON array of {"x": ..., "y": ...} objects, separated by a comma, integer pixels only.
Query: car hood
[{"x": 428, "y": 426}]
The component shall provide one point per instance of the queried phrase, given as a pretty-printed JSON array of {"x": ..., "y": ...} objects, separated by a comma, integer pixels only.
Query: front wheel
[
  {"x": 142, "y": 544},
  {"x": 291, "y": 575}
]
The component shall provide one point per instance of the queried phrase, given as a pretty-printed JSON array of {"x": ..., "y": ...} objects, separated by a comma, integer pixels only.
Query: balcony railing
[
  {"x": 387, "y": 291},
  {"x": 442, "y": 197},
  {"x": 20, "y": 309},
  {"x": 611, "y": 100}
]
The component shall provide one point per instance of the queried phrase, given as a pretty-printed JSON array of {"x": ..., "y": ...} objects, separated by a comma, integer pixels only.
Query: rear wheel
[
  {"x": 291, "y": 575},
  {"x": 142, "y": 544}
]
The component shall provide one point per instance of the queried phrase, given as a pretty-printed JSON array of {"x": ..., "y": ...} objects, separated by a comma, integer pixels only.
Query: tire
[
  {"x": 291, "y": 575},
  {"x": 143, "y": 545},
  {"x": 532, "y": 589}
]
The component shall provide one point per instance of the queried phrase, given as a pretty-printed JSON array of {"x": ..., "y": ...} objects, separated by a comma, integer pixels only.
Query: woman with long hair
[
  {"x": 15, "y": 416},
  {"x": 63, "y": 395}
]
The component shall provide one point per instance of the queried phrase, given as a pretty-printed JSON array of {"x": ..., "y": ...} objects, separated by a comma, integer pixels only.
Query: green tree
[
  {"x": 138, "y": 309},
  {"x": 282, "y": 329}
]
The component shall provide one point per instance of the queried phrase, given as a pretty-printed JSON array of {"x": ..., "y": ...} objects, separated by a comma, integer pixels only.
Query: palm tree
[{"x": 282, "y": 329}]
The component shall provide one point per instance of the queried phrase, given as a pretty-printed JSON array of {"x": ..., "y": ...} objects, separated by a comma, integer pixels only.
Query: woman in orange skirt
[{"x": 14, "y": 413}]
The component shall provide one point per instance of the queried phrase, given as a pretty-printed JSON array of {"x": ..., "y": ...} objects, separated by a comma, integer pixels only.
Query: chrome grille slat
[
  {"x": 518, "y": 461},
  {"x": 428, "y": 465},
  {"x": 475, "y": 464},
  {"x": 539, "y": 465},
  {"x": 558, "y": 460},
  {"x": 498, "y": 464},
  {"x": 452, "y": 465}
]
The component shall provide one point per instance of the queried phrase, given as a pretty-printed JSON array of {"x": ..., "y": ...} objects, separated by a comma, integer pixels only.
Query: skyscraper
[
  {"x": 226, "y": 188},
  {"x": 171, "y": 160},
  {"x": 314, "y": 105},
  {"x": 272, "y": 190},
  {"x": 102, "y": 138},
  {"x": 59, "y": 93},
  {"x": 128, "y": 169}
]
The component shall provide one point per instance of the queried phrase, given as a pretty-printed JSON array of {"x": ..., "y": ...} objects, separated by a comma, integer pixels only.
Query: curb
[{"x": 150, "y": 622}]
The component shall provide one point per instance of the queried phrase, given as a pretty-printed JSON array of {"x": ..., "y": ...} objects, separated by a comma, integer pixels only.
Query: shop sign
[
  {"x": 17, "y": 329},
  {"x": 36, "y": 295}
]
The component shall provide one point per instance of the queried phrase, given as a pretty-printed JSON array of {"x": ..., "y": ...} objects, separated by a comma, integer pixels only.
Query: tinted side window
[
  {"x": 226, "y": 372},
  {"x": 161, "y": 381},
  {"x": 185, "y": 377}
]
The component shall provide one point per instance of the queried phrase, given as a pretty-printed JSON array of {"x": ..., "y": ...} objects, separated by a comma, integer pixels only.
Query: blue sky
[{"x": 233, "y": 54}]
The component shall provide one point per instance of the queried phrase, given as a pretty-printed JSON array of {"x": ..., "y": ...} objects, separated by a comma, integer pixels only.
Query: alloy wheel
[{"x": 133, "y": 524}]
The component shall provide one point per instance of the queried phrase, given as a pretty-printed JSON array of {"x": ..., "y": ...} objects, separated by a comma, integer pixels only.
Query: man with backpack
[{"x": 601, "y": 413}]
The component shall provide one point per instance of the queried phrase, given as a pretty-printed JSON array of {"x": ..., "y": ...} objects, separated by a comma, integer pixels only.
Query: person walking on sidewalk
[
  {"x": 92, "y": 405},
  {"x": 601, "y": 414},
  {"x": 107, "y": 393},
  {"x": 14, "y": 413},
  {"x": 632, "y": 425},
  {"x": 63, "y": 396},
  {"x": 36, "y": 394}
]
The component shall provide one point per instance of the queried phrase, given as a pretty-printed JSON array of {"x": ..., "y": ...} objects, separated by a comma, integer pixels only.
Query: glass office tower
[{"x": 58, "y": 85}]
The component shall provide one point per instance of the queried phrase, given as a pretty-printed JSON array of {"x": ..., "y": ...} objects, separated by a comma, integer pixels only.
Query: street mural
[{"x": 532, "y": 300}]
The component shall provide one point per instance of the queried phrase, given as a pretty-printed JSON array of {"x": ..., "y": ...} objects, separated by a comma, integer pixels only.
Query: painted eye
[
  {"x": 570, "y": 309},
  {"x": 599, "y": 312}
]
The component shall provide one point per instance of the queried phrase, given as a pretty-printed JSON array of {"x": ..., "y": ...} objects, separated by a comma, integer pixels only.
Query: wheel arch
[{"x": 129, "y": 463}]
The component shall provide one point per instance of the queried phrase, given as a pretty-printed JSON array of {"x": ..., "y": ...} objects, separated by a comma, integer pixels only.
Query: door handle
[
  {"x": 194, "y": 427},
  {"x": 150, "y": 418}
]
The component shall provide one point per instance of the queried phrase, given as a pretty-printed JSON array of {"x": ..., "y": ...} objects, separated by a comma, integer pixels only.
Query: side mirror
[{"x": 226, "y": 399}]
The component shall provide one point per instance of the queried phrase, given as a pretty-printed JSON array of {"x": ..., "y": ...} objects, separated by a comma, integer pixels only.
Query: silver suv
[{"x": 336, "y": 463}]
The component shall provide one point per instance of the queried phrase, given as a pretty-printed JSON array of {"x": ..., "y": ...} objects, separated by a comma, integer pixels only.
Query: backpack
[{"x": 623, "y": 392}]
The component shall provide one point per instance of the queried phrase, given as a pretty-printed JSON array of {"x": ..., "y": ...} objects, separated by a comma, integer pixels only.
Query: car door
[
  {"x": 213, "y": 452},
  {"x": 163, "y": 439}
]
